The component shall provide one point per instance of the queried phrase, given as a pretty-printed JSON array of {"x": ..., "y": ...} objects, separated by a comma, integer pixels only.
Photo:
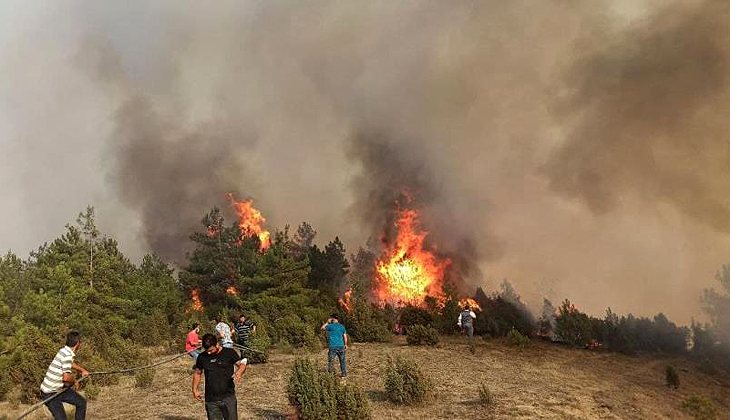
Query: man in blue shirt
[{"x": 337, "y": 341}]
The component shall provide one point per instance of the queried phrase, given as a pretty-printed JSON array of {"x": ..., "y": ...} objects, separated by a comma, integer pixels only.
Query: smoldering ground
[{"x": 577, "y": 148}]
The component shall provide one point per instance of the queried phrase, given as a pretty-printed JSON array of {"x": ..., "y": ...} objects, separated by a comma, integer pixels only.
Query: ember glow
[
  {"x": 407, "y": 272},
  {"x": 345, "y": 301},
  {"x": 471, "y": 302},
  {"x": 232, "y": 291},
  {"x": 250, "y": 220},
  {"x": 197, "y": 304}
]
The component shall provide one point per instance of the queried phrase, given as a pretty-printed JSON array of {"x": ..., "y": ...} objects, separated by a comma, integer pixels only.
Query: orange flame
[
  {"x": 232, "y": 291},
  {"x": 250, "y": 220},
  {"x": 345, "y": 301},
  {"x": 197, "y": 304},
  {"x": 406, "y": 272},
  {"x": 471, "y": 302}
]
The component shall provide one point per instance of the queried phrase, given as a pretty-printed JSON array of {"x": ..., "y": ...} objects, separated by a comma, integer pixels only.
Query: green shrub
[
  {"x": 317, "y": 395},
  {"x": 515, "y": 339},
  {"x": 700, "y": 407},
  {"x": 405, "y": 383},
  {"x": 486, "y": 398},
  {"x": 672, "y": 377},
  {"x": 144, "y": 378},
  {"x": 91, "y": 390},
  {"x": 420, "y": 335},
  {"x": 413, "y": 315},
  {"x": 352, "y": 404},
  {"x": 262, "y": 344}
]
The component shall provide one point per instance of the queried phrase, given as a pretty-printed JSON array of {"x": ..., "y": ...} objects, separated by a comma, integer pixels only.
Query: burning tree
[{"x": 407, "y": 270}]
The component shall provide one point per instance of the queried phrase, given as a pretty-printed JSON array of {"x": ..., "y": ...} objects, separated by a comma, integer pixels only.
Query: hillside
[{"x": 544, "y": 381}]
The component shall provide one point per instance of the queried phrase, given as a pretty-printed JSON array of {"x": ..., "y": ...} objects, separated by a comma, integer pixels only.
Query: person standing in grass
[
  {"x": 224, "y": 332},
  {"x": 466, "y": 321},
  {"x": 59, "y": 378},
  {"x": 337, "y": 342},
  {"x": 244, "y": 328},
  {"x": 220, "y": 379},
  {"x": 192, "y": 343}
]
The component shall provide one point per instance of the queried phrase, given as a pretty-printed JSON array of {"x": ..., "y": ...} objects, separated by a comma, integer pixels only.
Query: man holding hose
[{"x": 59, "y": 378}]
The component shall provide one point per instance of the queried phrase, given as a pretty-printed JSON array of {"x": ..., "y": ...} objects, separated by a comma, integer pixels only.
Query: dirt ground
[{"x": 544, "y": 381}]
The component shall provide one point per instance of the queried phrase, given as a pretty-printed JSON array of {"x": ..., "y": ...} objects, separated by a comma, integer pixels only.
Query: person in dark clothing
[
  {"x": 244, "y": 328},
  {"x": 337, "y": 342},
  {"x": 220, "y": 380}
]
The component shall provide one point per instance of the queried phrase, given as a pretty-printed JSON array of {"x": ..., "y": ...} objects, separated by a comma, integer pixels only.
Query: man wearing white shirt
[{"x": 466, "y": 321}]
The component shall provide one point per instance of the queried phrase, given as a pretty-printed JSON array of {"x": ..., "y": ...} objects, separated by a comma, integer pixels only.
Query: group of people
[{"x": 214, "y": 356}]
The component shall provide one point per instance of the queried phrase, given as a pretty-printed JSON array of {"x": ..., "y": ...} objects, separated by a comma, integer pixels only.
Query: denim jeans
[
  {"x": 225, "y": 409},
  {"x": 340, "y": 353},
  {"x": 69, "y": 396},
  {"x": 227, "y": 345}
]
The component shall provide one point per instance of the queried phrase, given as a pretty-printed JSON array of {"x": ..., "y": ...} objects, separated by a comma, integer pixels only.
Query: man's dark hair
[
  {"x": 72, "y": 338},
  {"x": 242, "y": 316},
  {"x": 333, "y": 316},
  {"x": 467, "y": 308},
  {"x": 209, "y": 341},
  {"x": 196, "y": 325},
  {"x": 218, "y": 318}
]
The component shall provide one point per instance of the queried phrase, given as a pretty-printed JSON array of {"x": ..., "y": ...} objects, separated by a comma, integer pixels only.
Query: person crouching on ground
[
  {"x": 337, "y": 342},
  {"x": 59, "y": 378},
  {"x": 466, "y": 321},
  {"x": 220, "y": 380},
  {"x": 192, "y": 343},
  {"x": 224, "y": 332}
]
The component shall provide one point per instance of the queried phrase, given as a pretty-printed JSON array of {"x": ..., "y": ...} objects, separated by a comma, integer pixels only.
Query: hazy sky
[{"x": 580, "y": 149}]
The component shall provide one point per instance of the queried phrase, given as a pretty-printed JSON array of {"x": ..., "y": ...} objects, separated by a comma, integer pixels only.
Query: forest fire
[
  {"x": 407, "y": 272},
  {"x": 471, "y": 303},
  {"x": 345, "y": 301},
  {"x": 250, "y": 220},
  {"x": 232, "y": 291},
  {"x": 197, "y": 304}
]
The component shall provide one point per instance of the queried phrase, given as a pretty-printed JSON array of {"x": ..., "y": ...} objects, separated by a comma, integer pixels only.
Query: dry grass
[{"x": 540, "y": 382}]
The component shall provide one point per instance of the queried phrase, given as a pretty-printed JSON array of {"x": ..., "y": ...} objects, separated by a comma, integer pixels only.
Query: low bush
[
  {"x": 515, "y": 339},
  {"x": 700, "y": 407},
  {"x": 317, "y": 395},
  {"x": 498, "y": 316},
  {"x": 144, "y": 378},
  {"x": 486, "y": 398},
  {"x": 405, "y": 383},
  {"x": 413, "y": 315},
  {"x": 91, "y": 390},
  {"x": 420, "y": 335},
  {"x": 672, "y": 377},
  {"x": 261, "y": 344},
  {"x": 352, "y": 404}
]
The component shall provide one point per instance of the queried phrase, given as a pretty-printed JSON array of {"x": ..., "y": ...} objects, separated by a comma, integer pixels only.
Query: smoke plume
[{"x": 577, "y": 148}]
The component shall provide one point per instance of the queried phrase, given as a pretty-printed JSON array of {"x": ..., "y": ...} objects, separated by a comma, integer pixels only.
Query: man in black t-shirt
[{"x": 220, "y": 390}]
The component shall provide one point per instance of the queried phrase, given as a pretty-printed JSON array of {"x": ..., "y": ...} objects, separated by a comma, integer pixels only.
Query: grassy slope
[{"x": 544, "y": 381}]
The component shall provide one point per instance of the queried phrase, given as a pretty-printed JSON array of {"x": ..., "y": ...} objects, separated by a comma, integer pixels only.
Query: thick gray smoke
[
  {"x": 652, "y": 105},
  {"x": 576, "y": 148}
]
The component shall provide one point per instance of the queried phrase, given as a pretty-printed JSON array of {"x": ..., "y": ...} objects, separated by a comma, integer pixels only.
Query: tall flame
[
  {"x": 473, "y": 304},
  {"x": 250, "y": 221},
  {"x": 197, "y": 304},
  {"x": 345, "y": 300},
  {"x": 407, "y": 272}
]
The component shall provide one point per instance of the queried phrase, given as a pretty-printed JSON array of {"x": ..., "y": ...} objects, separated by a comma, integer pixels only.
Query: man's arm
[
  {"x": 196, "y": 384},
  {"x": 253, "y": 329},
  {"x": 240, "y": 369},
  {"x": 473, "y": 315},
  {"x": 78, "y": 368},
  {"x": 325, "y": 325},
  {"x": 344, "y": 336},
  {"x": 458, "y": 320}
]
